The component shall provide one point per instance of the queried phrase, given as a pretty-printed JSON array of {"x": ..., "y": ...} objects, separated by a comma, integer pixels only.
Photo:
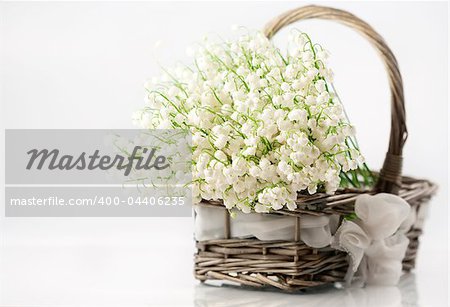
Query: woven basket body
[{"x": 292, "y": 265}]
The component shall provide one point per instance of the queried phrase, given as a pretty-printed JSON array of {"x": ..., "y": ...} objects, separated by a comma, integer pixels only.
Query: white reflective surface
[
  {"x": 146, "y": 270},
  {"x": 403, "y": 295}
]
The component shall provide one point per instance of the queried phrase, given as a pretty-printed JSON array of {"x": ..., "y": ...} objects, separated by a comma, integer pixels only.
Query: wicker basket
[{"x": 292, "y": 265}]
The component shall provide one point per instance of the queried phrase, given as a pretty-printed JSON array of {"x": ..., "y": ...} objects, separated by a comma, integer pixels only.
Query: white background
[{"x": 82, "y": 65}]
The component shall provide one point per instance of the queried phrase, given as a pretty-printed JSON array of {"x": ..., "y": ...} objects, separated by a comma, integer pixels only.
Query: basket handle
[{"x": 390, "y": 175}]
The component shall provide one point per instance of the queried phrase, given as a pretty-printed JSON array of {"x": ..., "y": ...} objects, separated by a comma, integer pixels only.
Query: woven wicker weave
[{"x": 292, "y": 265}]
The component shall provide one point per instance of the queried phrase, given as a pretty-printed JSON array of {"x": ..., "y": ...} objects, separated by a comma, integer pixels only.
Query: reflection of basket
[{"x": 292, "y": 265}]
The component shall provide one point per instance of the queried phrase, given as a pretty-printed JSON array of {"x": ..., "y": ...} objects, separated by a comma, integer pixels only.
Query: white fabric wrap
[
  {"x": 376, "y": 240},
  {"x": 314, "y": 230}
]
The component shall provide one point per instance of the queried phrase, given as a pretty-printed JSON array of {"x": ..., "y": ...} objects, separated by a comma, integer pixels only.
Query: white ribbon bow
[{"x": 375, "y": 240}]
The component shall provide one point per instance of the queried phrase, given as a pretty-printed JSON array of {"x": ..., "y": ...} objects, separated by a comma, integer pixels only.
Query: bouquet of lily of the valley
[
  {"x": 280, "y": 187},
  {"x": 265, "y": 125}
]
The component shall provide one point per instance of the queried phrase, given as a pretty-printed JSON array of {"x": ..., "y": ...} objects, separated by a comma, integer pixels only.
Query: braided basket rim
[{"x": 342, "y": 201}]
